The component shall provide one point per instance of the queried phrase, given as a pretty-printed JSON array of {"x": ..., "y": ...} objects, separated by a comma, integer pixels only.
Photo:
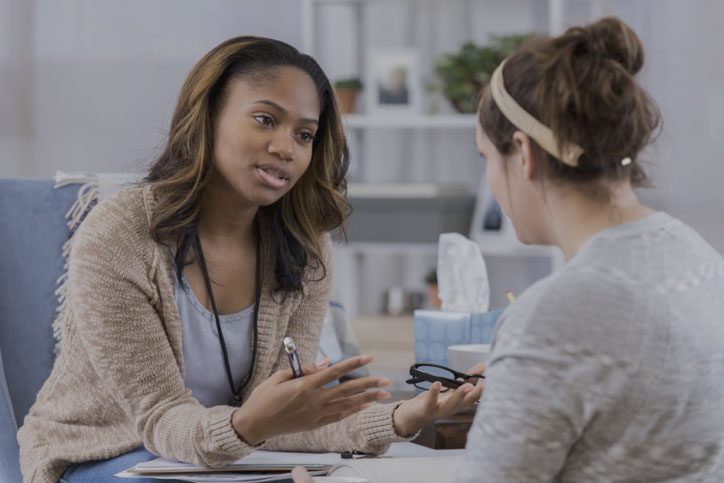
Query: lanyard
[{"x": 236, "y": 393}]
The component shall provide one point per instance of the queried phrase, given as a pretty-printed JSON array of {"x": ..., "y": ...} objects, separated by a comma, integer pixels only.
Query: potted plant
[
  {"x": 462, "y": 75},
  {"x": 347, "y": 91}
]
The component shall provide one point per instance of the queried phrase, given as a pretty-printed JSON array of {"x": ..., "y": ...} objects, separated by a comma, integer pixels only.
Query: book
[{"x": 259, "y": 466}]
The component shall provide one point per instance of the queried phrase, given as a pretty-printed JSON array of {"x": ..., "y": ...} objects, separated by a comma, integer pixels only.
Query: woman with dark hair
[{"x": 181, "y": 291}]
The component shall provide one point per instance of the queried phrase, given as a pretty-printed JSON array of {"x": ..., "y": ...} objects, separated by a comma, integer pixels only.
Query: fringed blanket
[{"x": 95, "y": 187}]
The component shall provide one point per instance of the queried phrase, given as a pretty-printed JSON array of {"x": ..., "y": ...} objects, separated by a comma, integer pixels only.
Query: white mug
[{"x": 463, "y": 357}]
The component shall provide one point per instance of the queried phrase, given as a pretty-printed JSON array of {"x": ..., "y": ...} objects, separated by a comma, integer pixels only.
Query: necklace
[{"x": 235, "y": 393}]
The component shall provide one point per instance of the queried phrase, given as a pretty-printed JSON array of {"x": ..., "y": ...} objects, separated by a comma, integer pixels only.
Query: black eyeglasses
[{"x": 424, "y": 375}]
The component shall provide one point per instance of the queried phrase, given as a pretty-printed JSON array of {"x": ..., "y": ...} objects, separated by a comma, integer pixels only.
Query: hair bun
[
  {"x": 612, "y": 39},
  {"x": 582, "y": 86}
]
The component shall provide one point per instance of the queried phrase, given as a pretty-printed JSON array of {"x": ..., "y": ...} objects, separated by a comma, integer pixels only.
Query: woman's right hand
[{"x": 283, "y": 404}]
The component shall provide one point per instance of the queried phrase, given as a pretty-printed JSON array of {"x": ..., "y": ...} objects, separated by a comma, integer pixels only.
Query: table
[{"x": 447, "y": 433}]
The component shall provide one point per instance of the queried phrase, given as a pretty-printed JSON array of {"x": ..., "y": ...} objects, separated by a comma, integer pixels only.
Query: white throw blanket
[{"x": 95, "y": 188}]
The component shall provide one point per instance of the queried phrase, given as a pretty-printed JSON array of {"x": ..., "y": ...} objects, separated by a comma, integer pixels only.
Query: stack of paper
[
  {"x": 262, "y": 466},
  {"x": 257, "y": 467},
  {"x": 402, "y": 470}
]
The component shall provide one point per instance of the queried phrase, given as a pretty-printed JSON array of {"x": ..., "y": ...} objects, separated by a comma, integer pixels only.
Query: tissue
[{"x": 462, "y": 277}]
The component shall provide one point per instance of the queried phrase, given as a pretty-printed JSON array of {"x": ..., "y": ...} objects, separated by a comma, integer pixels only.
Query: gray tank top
[{"x": 204, "y": 371}]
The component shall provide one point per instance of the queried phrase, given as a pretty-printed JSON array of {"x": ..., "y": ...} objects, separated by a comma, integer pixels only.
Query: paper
[
  {"x": 406, "y": 450},
  {"x": 247, "y": 469},
  {"x": 162, "y": 469},
  {"x": 462, "y": 276},
  {"x": 219, "y": 477},
  {"x": 280, "y": 459},
  {"x": 403, "y": 470}
]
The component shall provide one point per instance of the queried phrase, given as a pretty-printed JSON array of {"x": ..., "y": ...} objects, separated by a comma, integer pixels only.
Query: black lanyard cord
[{"x": 236, "y": 394}]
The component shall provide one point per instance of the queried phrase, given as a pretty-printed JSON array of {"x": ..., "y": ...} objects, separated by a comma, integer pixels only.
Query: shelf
[
  {"x": 359, "y": 23},
  {"x": 421, "y": 121},
  {"x": 492, "y": 248},
  {"x": 404, "y": 190}
]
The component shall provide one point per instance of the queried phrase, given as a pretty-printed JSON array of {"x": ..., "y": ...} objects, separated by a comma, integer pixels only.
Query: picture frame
[{"x": 393, "y": 83}]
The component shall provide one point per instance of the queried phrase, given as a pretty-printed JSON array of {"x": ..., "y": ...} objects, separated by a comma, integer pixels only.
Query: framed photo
[
  {"x": 393, "y": 81},
  {"x": 489, "y": 222}
]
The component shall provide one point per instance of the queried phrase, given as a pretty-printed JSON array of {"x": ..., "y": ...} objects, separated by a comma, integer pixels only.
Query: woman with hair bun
[{"x": 611, "y": 368}]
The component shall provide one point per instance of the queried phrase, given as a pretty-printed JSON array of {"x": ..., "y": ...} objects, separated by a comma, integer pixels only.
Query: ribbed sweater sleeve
[{"x": 371, "y": 430}]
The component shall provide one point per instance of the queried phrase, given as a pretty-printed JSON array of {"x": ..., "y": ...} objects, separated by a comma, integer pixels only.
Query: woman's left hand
[{"x": 415, "y": 413}]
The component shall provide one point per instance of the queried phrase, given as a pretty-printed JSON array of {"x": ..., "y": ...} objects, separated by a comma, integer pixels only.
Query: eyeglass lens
[{"x": 434, "y": 372}]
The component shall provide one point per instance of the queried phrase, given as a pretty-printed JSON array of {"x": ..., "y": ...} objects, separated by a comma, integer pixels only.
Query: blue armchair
[{"x": 32, "y": 233}]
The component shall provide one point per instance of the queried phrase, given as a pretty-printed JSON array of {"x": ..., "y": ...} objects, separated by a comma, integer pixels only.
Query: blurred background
[{"x": 90, "y": 85}]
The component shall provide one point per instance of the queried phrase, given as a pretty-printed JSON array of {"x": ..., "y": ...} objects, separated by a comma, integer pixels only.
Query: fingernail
[
  {"x": 365, "y": 359},
  {"x": 383, "y": 382},
  {"x": 467, "y": 387},
  {"x": 383, "y": 395},
  {"x": 322, "y": 363}
]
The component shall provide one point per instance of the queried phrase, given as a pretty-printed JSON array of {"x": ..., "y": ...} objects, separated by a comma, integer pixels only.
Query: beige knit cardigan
[{"x": 118, "y": 381}]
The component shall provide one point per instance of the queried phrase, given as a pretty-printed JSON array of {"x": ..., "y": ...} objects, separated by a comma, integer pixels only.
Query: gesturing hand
[
  {"x": 433, "y": 404},
  {"x": 282, "y": 405}
]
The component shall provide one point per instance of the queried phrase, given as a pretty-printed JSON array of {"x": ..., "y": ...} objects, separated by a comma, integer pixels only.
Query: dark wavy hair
[{"x": 316, "y": 204}]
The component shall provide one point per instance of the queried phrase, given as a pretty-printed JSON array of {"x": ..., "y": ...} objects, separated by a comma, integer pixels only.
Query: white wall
[
  {"x": 684, "y": 74},
  {"x": 93, "y": 82},
  {"x": 686, "y": 78},
  {"x": 15, "y": 90}
]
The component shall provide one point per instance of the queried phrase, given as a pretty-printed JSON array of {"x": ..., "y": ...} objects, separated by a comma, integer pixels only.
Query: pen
[
  {"x": 291, "y": 349},
  {"x": 348, "y": 455}
]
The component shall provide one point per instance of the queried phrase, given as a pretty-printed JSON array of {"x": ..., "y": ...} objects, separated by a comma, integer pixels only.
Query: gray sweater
[{"x": 611, "y": 369}]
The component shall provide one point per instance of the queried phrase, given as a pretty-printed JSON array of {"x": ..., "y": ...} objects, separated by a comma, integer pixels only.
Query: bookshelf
[{"x": 416, "y": 136}]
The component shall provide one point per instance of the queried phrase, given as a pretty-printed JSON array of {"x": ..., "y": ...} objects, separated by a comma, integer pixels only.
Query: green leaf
[{"x": 463, "y": 74}]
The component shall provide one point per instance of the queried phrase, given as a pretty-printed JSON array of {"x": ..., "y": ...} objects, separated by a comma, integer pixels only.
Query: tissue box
[{"x": 435, "y": 330}]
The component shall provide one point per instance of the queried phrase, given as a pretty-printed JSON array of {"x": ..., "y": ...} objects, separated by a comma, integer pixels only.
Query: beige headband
[{"x": 521, "y": 119}]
